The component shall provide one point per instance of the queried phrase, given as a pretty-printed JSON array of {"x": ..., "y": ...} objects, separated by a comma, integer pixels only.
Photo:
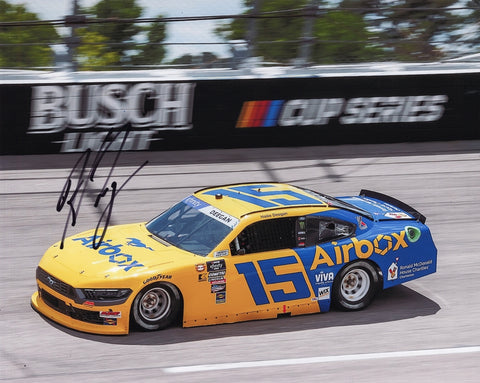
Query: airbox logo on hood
[{"x": 113, "y": 252}]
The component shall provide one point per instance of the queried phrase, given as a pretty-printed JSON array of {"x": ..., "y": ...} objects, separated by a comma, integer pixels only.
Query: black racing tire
[
  {"x": 157, "y": 306},
  {"x": 355, "y": 286}
]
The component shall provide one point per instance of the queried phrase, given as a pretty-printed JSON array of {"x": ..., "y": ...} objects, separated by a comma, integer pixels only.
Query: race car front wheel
[
  {"x": 355, "y": 286},
  {"x": 156, "y": 306}
]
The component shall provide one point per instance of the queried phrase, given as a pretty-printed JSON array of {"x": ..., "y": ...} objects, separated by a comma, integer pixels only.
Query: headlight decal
[{"x": 103, "y": 297}]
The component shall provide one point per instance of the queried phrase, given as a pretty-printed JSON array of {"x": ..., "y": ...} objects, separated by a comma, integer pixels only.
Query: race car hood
[
  {"x": 126, "y": 249},
  {"x": 383, "y": 207}
]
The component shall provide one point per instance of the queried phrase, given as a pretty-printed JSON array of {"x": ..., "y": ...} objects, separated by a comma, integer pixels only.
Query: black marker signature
[{"x": 78, "y": 175}]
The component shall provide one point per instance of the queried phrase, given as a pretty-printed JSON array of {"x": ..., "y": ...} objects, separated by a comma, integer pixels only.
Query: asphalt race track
[{"x": 426, "y": 330}]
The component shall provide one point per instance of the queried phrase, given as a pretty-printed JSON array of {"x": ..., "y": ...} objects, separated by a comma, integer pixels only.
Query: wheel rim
[
  {"x": 155, "y": 304},
  {"x": 355, "y": 285}
]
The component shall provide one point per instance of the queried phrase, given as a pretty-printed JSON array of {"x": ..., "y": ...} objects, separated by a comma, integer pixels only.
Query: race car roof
[{"x": 241, "y": 199}]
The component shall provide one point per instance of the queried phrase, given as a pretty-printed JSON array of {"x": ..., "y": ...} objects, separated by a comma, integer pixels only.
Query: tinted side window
[
  {"x": 273, "y": 234},
  {"x": 325, "y": 229}
]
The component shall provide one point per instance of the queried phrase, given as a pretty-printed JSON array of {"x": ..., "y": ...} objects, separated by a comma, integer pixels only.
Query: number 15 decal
[{"x": 267, "y": 268}]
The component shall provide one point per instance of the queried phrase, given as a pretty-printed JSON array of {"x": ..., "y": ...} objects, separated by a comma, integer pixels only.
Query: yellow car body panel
[{"x": 239, "y": 305}]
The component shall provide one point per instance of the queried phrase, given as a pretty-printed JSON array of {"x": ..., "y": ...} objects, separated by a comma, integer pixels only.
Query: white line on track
[{"x": 320, "y": 359}]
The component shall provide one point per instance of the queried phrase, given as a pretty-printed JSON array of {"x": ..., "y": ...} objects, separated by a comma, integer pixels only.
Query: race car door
[{"x": 269, "y": 278}]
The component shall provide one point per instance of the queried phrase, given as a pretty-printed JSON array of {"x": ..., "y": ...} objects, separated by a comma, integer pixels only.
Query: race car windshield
[{"x": 189, "y": 229}]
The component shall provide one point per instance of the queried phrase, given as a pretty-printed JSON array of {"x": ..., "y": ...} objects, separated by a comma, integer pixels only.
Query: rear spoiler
[{"x": 395, "y": 202}]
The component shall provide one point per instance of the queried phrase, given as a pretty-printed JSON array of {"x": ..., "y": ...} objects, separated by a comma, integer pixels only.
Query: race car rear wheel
[
  {"x": 355, "y": 286},
  {"x": 156, "y": 306}
]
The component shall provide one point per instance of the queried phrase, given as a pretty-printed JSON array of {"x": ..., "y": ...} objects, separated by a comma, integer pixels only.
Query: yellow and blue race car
[{"x": 235, "y": 253}]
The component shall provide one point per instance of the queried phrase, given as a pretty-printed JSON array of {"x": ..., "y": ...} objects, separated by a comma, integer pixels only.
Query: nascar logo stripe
[{"x": 262, "y": 113}]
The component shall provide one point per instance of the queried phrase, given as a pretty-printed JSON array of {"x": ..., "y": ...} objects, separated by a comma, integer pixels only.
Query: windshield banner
[{"x": 211, "y": 211}]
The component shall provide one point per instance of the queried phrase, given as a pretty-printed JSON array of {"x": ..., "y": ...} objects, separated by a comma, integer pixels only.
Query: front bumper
[{"x": 96, "y": 320}]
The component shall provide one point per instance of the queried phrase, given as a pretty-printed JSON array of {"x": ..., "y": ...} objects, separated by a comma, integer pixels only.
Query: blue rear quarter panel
[{"x": 384, "y": 243}]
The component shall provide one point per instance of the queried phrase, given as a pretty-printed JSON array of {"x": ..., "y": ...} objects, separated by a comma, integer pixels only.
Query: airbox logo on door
[{"x": 87, "y": 112}]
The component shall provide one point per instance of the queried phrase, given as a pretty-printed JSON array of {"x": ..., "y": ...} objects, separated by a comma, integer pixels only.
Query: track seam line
[{"x": 321, "y": 359}]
